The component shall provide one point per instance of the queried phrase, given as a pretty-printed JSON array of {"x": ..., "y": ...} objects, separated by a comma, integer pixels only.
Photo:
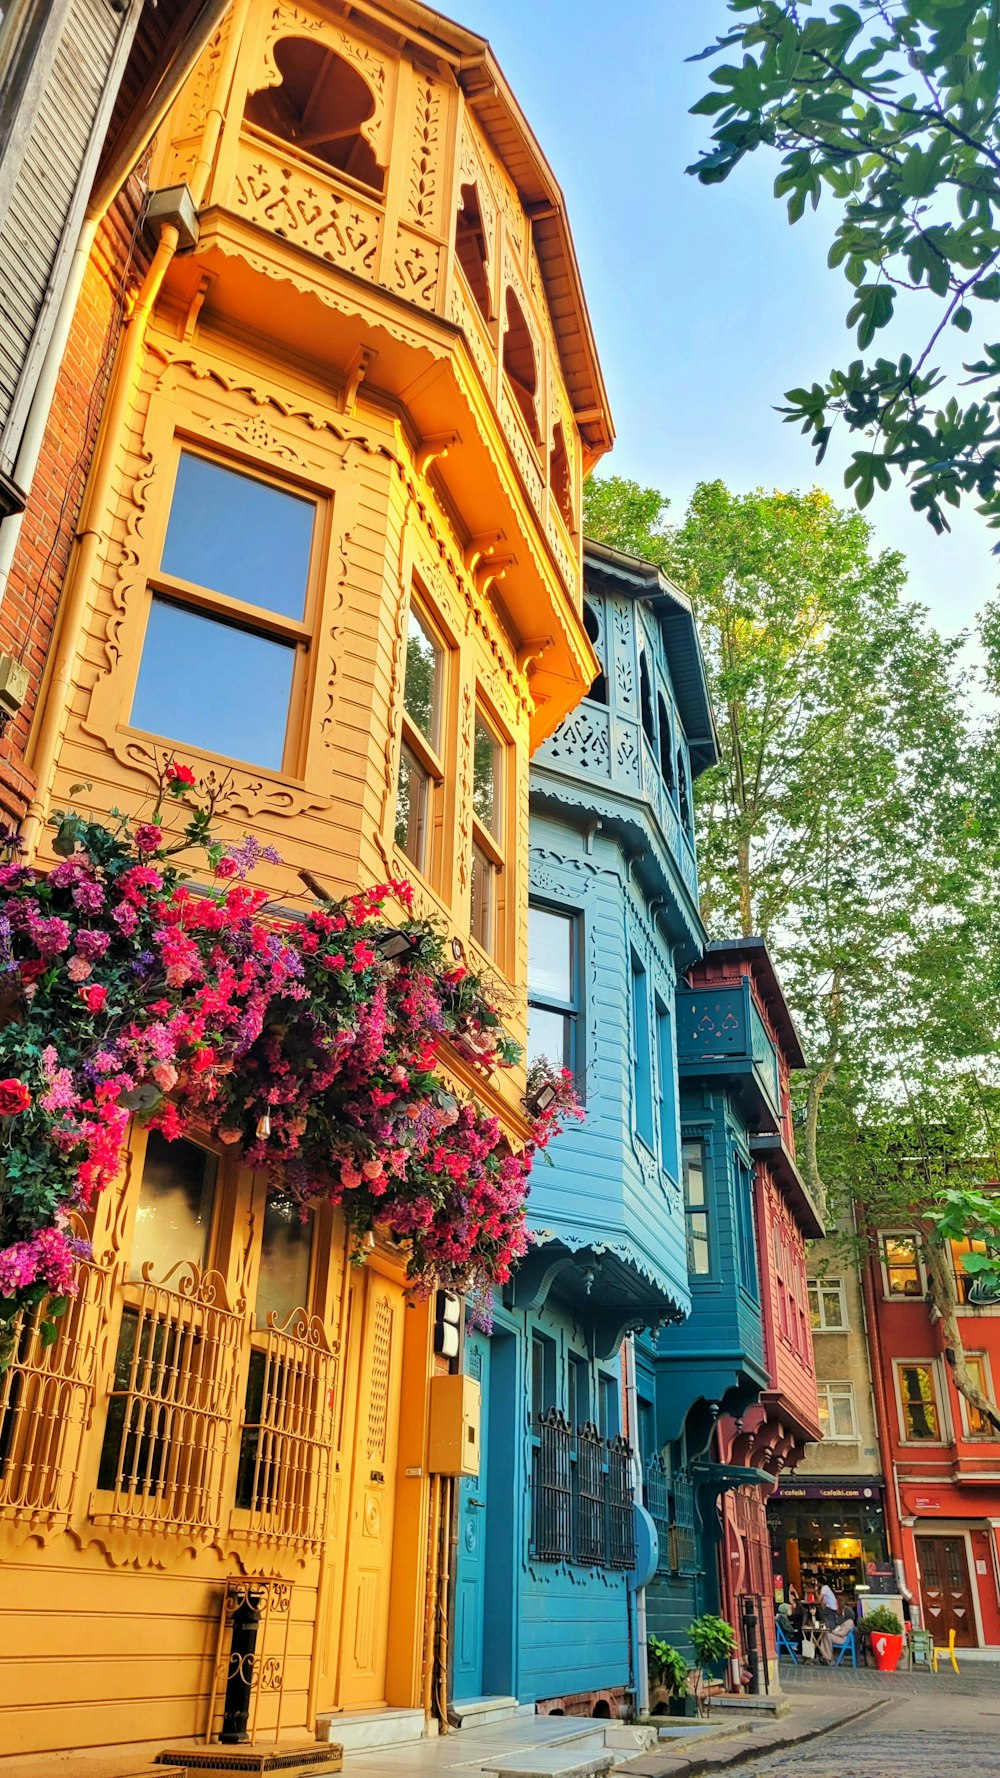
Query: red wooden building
[
  {"x": 941, "y": 1457},
  {"x": 771, "y": 1436}
]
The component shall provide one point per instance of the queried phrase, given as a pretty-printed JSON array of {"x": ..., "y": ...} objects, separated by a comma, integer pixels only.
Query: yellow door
[{"x": 368, "y": 1566}]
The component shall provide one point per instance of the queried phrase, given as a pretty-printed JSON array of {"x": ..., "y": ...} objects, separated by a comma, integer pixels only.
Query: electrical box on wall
[{"x": 454, "y": 1426}]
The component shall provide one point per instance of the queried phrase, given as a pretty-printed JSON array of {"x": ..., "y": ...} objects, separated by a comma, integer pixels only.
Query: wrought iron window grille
[{"x": 582, "y": 1498}]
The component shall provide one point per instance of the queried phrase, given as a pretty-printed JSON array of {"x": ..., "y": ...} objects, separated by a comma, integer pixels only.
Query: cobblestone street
[{"x": 942, "y": 1726}]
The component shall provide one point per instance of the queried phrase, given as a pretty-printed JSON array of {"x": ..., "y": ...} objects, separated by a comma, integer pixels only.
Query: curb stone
[{"x": 760, "y": 1746}]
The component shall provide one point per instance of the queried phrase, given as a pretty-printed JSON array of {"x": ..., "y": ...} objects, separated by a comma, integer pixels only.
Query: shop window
[
  {"x": 918, "y": 1401},
  {"x": 827, "y": 1305},
  {"x": 520, "y": 365},
  {"x": 667, "y": 1084},
  {"x": 976, "y": 1423},
  {"x": 598, "y": 692},
  {"x": 472, "y": 250},
  {"x": 646, "y": 700},
  {"x": 319, "y": 109},
  {"x": 553, "y": 987},
  {"x": 837, "y": 1417},
  {"x": 285, "y": 1259},
  {"x": 699, "y": 1251},
  {"x": 488, "y": 835},
  {"x": 421, "y": 769},
  {"x": 642, "y": 1068},
  {"x": 901, "y": 1275},
  {"x": 666, "y": 749},
  {"x": 173, "y": 1219},
  {"x": 560, "y": 476},
  {"x": 224, "y": 652}
]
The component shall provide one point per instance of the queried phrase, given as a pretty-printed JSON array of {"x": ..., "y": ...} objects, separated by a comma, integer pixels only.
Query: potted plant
[
  {"x": 885, "y": 1634},
  {"x": 668, "y": 1680},
  {"x": 713, "y": 1641}
]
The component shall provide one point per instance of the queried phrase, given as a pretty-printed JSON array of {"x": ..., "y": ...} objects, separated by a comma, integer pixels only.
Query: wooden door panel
[
  {"x": 945, "y": 1590},
  {"x": 368, "y": 1565}
]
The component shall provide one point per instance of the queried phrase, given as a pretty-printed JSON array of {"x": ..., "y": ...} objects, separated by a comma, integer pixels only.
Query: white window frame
[
  {"x": 840, "y": 1438},
  {"x": 943, "y": 1405},
  {"x": 990, "y": 1435},
  {"x": 900, "y": 1235},
  {"x": 827, "y": 1284}
]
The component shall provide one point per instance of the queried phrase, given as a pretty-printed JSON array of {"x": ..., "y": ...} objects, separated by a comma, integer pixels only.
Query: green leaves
[{"x": 893, "y": 107}]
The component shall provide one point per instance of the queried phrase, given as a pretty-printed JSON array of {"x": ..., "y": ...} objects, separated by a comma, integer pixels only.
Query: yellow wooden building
[{"x": 330, "y": 557}]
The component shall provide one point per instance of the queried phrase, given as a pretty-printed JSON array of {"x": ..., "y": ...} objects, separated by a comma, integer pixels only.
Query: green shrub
[
  {"x": 667, "y": 1667},
  {"x": 712, "y": 1639},
  {"x": 881, "y": 1621}
]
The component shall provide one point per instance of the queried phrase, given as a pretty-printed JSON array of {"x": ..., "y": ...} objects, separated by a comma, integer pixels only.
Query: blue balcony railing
[{"x": 720, "y": 1034}]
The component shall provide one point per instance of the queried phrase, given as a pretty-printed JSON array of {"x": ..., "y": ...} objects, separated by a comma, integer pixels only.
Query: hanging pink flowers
[{"x": 314, "y": 1046}]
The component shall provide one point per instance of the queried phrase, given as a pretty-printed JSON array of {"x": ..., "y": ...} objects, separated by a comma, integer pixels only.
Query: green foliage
[
  {"x": 889, "y": 110},
  {"x": 712, "y": 1639},
  {"x": 881, "y": 1621},
  {"x": 667, "y": 1666},
  {"x": 621, "y": 513}
]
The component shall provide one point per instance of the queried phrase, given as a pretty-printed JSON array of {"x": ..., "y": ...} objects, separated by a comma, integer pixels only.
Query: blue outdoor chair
[
  {"x": 785, "y": 1644},
  {"x": 849, "y": 1642}
]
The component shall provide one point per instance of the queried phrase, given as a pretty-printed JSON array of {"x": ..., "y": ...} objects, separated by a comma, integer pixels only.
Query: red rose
[
  {"x": 14, "y": 1097},
  {"x": 32, "y": 969},
  {"x": 148, "y": 838},
  {"x": 226, "y": 867},
  {"x": 178, "y": 777},
  {"x": 95, "y": 998}
]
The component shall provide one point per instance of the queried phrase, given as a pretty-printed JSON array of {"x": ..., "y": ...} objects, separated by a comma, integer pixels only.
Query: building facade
[
  {"x": 547, "y": 1546},
  {"x": 360, "y": 350},
  {"x": 941, "y": 1455}
]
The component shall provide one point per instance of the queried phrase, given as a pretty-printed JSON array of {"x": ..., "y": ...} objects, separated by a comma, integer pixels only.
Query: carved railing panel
[
  {"x": 283, "y": 1481},
  {"x": 299, "y": 203}
]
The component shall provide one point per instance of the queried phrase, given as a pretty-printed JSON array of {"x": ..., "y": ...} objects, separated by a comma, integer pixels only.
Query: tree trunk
[
  {"x": 743, "y": 878},
  {"x": 817, "y": 1087},
  {"x": 944, "y": 1298}
]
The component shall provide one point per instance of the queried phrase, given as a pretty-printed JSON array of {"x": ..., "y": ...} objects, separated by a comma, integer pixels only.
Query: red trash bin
[{"x": 887, "y": 1651}]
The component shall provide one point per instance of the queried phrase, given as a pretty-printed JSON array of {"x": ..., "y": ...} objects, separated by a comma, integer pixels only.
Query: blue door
[{"x": 470, "y": 1588}]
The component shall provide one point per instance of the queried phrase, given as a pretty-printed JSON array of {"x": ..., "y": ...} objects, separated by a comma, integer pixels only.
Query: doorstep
[
  {"x": 761, "y": 1703},
  {"x": 367, "y": 1731},
  {"x": 476, "y": 1713}
]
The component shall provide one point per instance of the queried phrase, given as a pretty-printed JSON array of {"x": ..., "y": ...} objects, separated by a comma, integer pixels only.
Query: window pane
[
  {"x": 824, "y": 1414},
  {"x": 212, "y": 686},
  {"x": 833, "y": 1306},
  {"x": 550, "y": 955},
  {"x": 698, "y": 1255},
  {"x": 902, "y": 1269},
  {"x": 286, "y": 1250},
  {"x": 422, "y": 680},
  {"x": 978, "y": 1424},
  {"x": 814, "y": 1303},
  {"x": 483, "y": 919},
  {"x": 548, "y": 1037},
  {"x": 694, "y": 1174},
  {"x": 173, "y": 1221},
  {"x": 486, "y": 786},
  {"x": 920, "y": 1416},
  {"x": 239, "y": 536},
  {"x": 413, "y": 808},
  {"x": 842, "y": 1408}
]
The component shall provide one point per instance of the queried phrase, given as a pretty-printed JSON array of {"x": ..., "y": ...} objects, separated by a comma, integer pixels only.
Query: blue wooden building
[{"x": 544, "y": 1609}]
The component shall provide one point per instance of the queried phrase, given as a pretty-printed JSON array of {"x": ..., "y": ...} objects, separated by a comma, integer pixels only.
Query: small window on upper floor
[
  {"x": 472, "y": 250},
  {"x": 520, "y": 366},
  {"x": 319, "y": 109},
  {"x": 489, "y": 836},
  {"x": 420, "y": 784},
  {"x": 646, "y": 700},
  {"x": 683, "y": 793},
  {"x": 599, "y": 689},
  {"x": 560, "y": 479},
  {"x": 666, "y": 748}
]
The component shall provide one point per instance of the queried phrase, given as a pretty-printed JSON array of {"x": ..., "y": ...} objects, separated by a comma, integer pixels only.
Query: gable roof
[{"x": 624, "y": 575}]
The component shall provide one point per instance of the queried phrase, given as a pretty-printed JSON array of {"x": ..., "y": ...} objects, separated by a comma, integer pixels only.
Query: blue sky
[{"x": 705, "y": 304}]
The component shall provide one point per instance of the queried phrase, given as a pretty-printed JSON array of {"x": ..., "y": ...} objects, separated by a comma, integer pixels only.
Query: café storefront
[{"x": 829, "y": 1529}]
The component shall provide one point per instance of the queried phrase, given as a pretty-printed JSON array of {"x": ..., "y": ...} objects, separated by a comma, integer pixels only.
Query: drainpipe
[
  {"x": 57, "y": 687},
  {"x": 632, "y": 1408},
  {"x": 873, "y": 1341}
]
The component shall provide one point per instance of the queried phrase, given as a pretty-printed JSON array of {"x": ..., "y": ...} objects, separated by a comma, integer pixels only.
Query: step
[
  {"x": 566, "y": 1759},
  {"x": 763, "y": 1704},
  {"x": 630, "y": 1737},
  {"x": 365, "y": 1731},
  {"x": 300, "y": 1760},
  {"x": 475, "y": 1713}
]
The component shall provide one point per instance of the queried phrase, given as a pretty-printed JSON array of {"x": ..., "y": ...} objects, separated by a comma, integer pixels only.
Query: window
[
  {"x": 472, "y": 250},
  {"x": 226, "y": 636},
  {"x": 699, "y": 1253},
  {"x": 577, "y": 1392},
  {"x": 901, "y": 1266},
  {"x": 543, "y": 1375},
  {"x": 421, "y": 773},
  {"x": 965, "y": 1281},
  {"x": 837, "y": 1418},
  {"x": 785, "y": 1310},
  {"x": 646, "y": 699},
  {"x": 827, "y": 1304},
  {"x": 743, "y": 1180},
  {"x": 599, "y": 689},
  {"x": 976, "y": 1423},
  {"x": 683, "y": 793},
  {"x": 607, "y": 1406},
  {"x": 560, "y": 478},
  {"x": 285, "y": 1256},
  {"x": 519, "y": 364},
  {"x": 553, "y": 989},
  {"x": 487, "y": 834},
  {"x": 667, "y": 1078},
  {"x": 918, "y": 1400},
  {"x": 319, "y": 108},
  {"x": 640, "y": 1036},
  {"x": 173, "y": 1220},
  {"x": 666, "y": 748}
]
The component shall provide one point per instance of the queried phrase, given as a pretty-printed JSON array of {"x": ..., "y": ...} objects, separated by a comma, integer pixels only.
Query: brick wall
[{"x": 28, "y": 608}]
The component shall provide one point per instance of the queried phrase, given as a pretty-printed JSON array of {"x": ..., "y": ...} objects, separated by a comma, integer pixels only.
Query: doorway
[
  {"x": 945, "y": 1589},
  {"x": 488, "y": 1530}
]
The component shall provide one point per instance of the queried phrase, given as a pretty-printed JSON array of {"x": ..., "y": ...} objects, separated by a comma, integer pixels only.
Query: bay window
[{"x": 553, "y": 987}]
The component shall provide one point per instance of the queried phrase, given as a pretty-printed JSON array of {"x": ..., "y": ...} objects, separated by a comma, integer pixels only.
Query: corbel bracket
[
  {"x": 530, "y": 650},
  {"x": 357, "y": 369},
  {"x": 482, "y": 545},
  {"x": 436, "y": 444},
  {"x": 490, "y": 569}
]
